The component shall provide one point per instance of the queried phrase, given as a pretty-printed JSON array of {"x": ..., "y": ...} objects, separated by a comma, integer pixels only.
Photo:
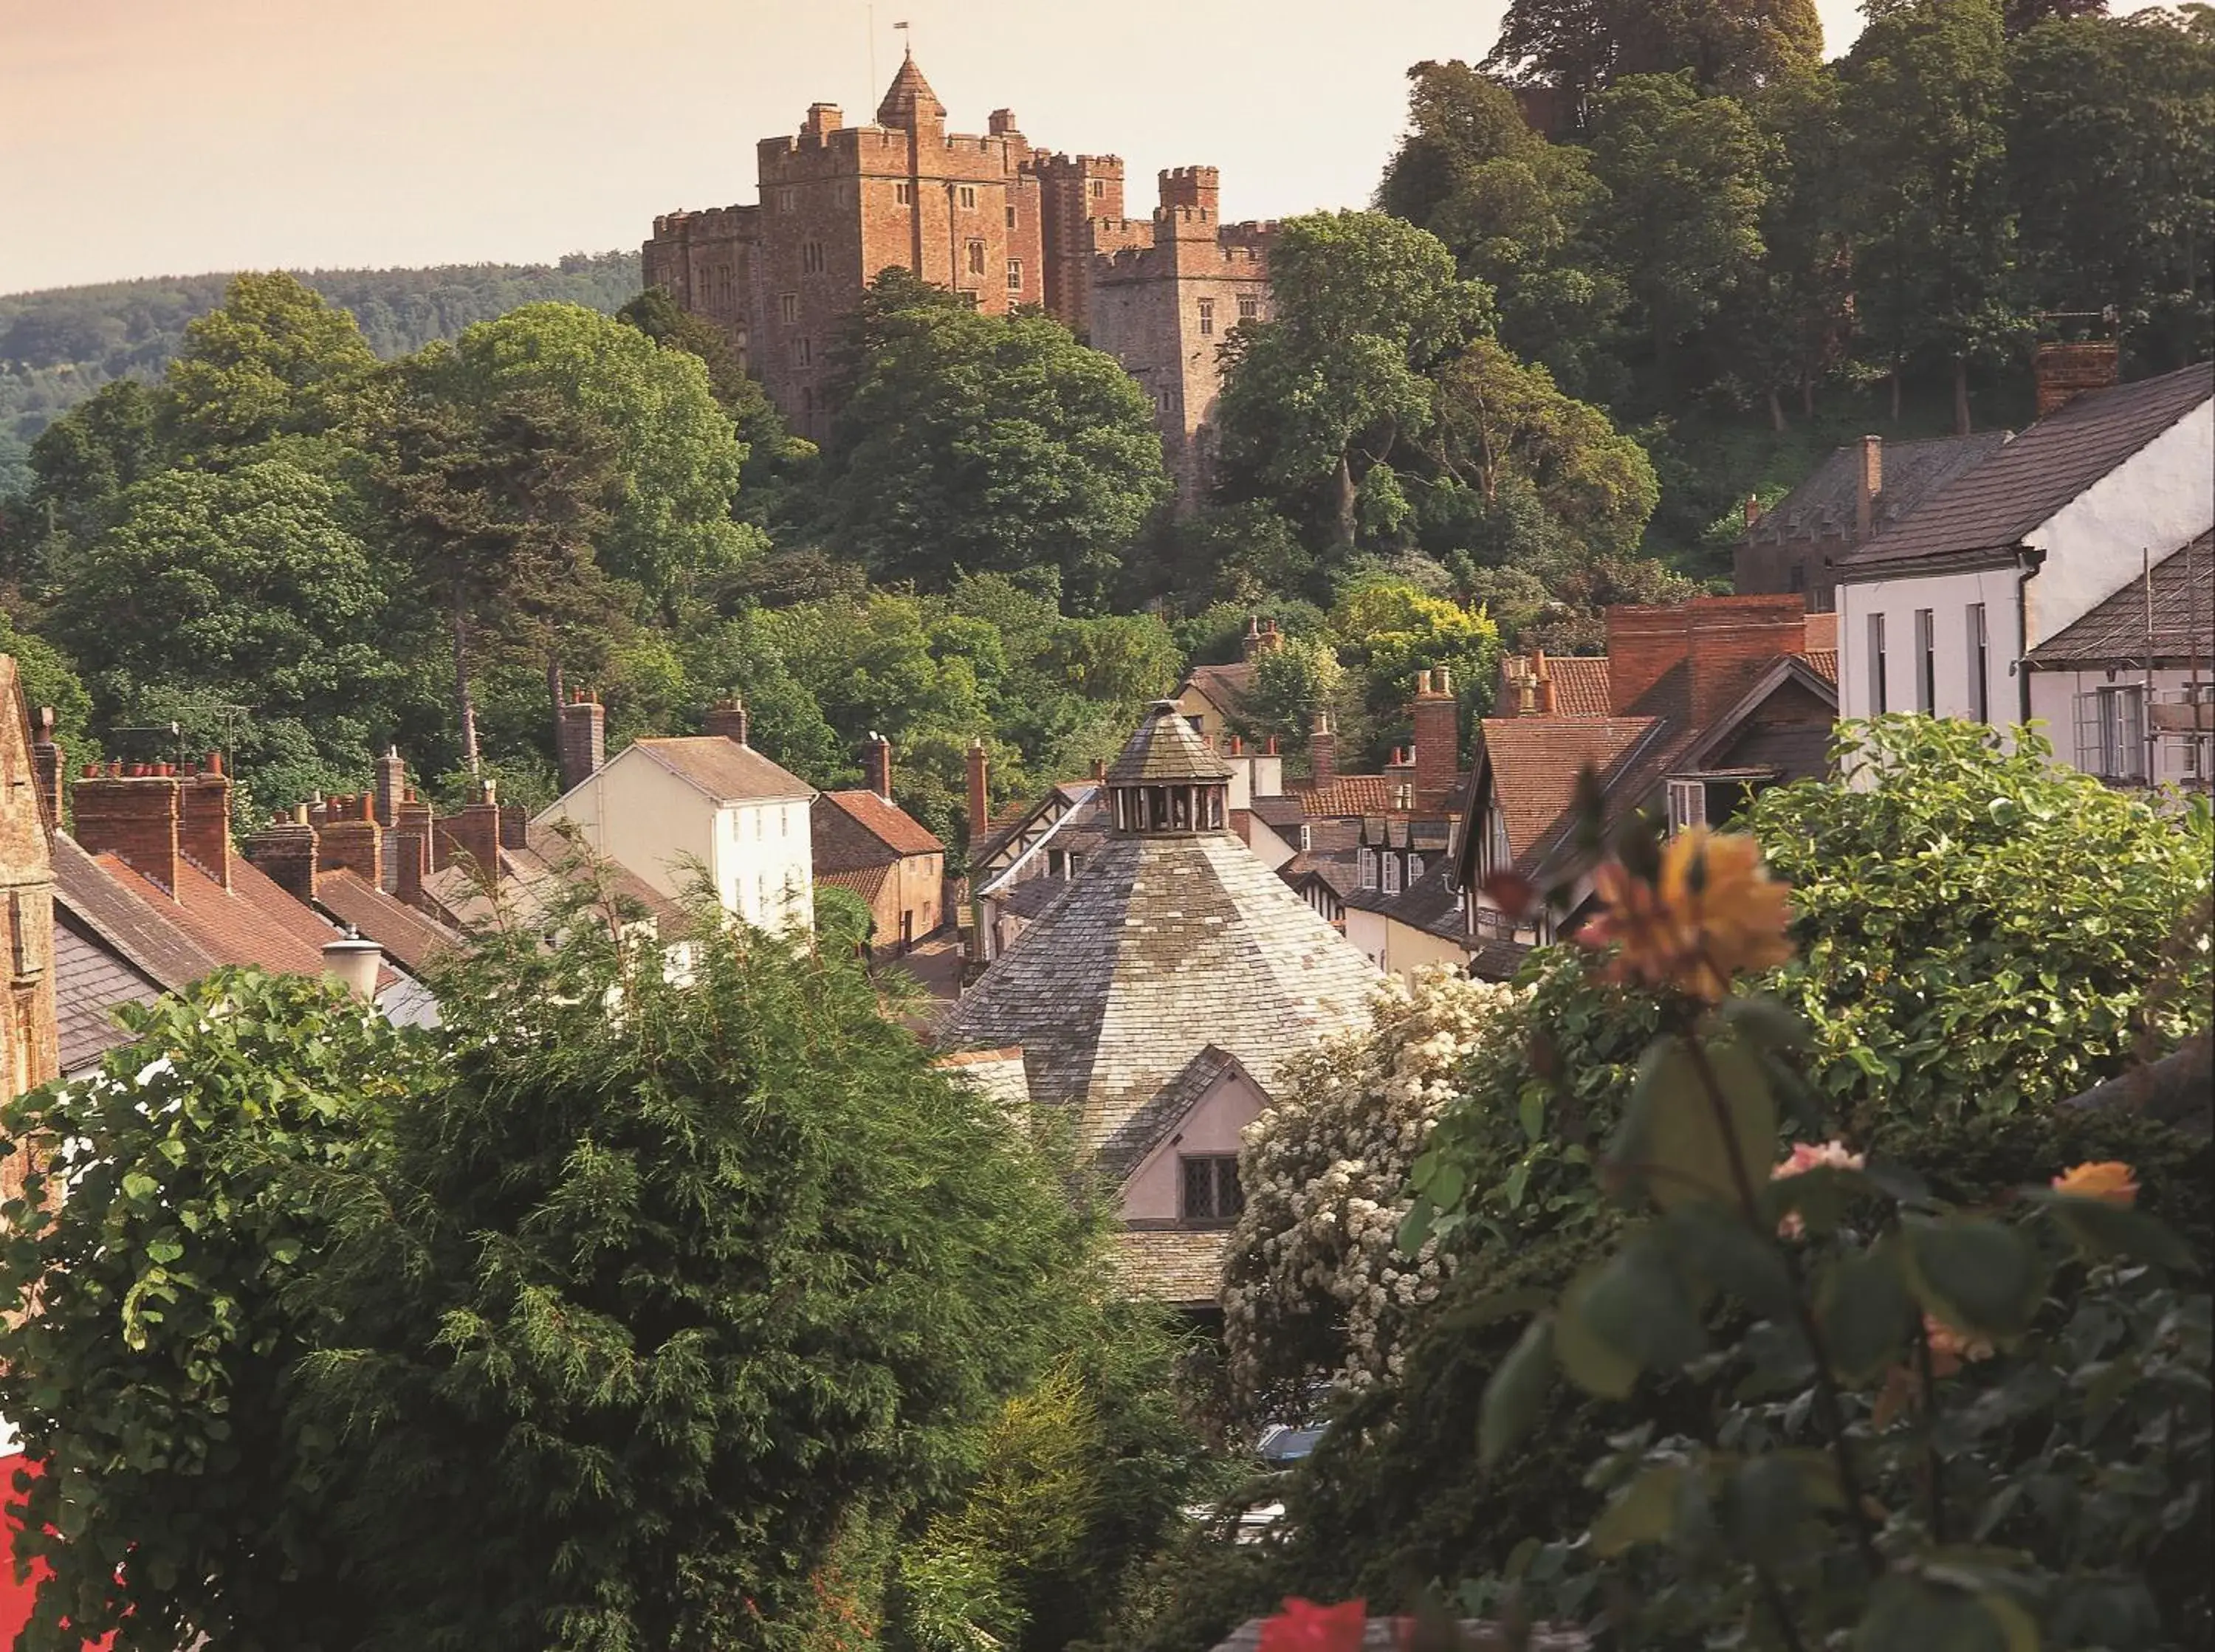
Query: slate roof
[
  {"x": 1991, "y": 506},
  {"x": 143, "y": 936},
  {"x": 1284, "y": 812},
  {"x": 1178, "y": 1265},
  {"x": 2183, "y": 614},
  {"x": 1913, "y": 472},
  {"x": 1491, "y": 958},
  {"x": 1033, "y": 895},
  {"x": 721, "y": 768},
  {"x": 1163, "y": 945},
  {"x": 1140, "y": 1134},
  {"x": 1166, "y": 749},
  {"x": 1427, "y": 904},
  {"x": 1336, "y": 867},
  {"x": 1225, "y": 686},
  {"x": 90, "y": 980},
  {"x": 898, "y": 832},
  {"x": 997, "y": 1075},
  {"x": 409, "y": 938},
  {"x": 1579, "y": 685}
]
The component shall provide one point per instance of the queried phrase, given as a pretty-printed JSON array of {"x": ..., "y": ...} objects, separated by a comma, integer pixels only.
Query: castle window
[
  {"x": 966, "y": 195},
  {"x": 976, "y": 258},
  {"x": 904, "y": 194},
  {"x": 788, "y": 200},
  {"x": 1099, "y": 188},
  {"x": 803, "y": 352},
  {"x": 1250, "y": 307},
  {"x": 1011, "y": 217},
  {"x": 1206, "y": 317},
  {"x": 969, "y": 298},
  {"x": 1014, "y": 275},
  {"x": 811, "y": 257},
  {"x": 787, "y": 308}
]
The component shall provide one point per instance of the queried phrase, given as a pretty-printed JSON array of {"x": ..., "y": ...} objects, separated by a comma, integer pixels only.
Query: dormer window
[{"x": 1391, "y": 874}]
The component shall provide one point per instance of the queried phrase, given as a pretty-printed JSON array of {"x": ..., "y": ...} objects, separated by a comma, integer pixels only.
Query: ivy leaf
[
  {"x": 1975, "y": 1274},
  {"x": 1513, "y": 1396},
  {"x": 1644, "y": 1511}
]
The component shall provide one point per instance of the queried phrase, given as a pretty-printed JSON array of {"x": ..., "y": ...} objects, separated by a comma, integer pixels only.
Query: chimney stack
[
  {"x": 204, "y": 819},
  {"x": 877, "y": 765},
  {"x": 1868, "y": 482},
  {"x": 1250, "y": 644},
  {"x": 132, "y": 818},
  {"x": 1322, "y": 751},
  {"x": 351, "y": 839},
  {"x": 472, "y": 836},
  {"x": 284, "y": 851},
  {"x": 47, "y": 767},
  {"x": 2064, "y": 371},
  {"x": 1544, "y": 678},
  {"x": 391, "y": 786},
  {"x": 1436, "y": 716},
  {"x": 580, "y": 739},
  {"x": 980, "y": 798},
  {"x": 728, "y": 718}
]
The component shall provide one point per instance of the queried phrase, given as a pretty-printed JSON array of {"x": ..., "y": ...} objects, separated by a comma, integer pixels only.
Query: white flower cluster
[{"x": 1314, "y": 1285}]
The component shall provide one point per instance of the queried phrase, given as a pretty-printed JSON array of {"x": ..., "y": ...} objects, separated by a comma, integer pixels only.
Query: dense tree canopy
[{"x": 986, "y": 443}]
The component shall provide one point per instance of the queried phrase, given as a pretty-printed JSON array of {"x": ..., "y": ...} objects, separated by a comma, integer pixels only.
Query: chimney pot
[{"x": 353, "y": 963}]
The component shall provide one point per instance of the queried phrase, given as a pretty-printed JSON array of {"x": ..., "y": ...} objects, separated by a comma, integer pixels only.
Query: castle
[{"x": 998, "y": 222}]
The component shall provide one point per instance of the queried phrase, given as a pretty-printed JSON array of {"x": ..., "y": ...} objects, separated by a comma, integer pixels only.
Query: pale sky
[{"x": 171, "y": 137}]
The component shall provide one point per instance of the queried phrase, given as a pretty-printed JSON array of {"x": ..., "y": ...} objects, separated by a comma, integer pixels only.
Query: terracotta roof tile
[
  {"x": 254, "y": 922},
  {"x": 410, "y": 939},
  {"x": 1580, "y": 686},
  {"x": 1536, "y": 761},
  {"x": 145, "y": 936},
  {"x": 1348, "y": 795},
  {"x": 868, "y": 882},
  {"x": 1824, "y": 661},
  {"x": 724, "y": 769},
  {"x": 889, "y": 823}
]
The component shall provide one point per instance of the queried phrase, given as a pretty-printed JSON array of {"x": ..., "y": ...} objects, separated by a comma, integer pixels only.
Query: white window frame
[
  {"x": 1926, "y": 661},
  {"x": 1980, "y": 683},
  {"x": 1368, "y": 868},
  {"x": 1391, "y": 870},
  {"x": 1687, "y": 804},
  {"x": 1878, "y": 701}
]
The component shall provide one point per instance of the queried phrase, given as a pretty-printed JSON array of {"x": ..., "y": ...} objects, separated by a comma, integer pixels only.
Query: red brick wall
[
  {"x": 204, "y": 819},
  {"x": 133, "y": 817},
  {"x": 1697, "y": 658},
  {"x": 1438, "y": 739}
]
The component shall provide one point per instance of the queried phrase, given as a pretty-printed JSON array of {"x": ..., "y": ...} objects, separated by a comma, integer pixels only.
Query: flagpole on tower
[{"x": 907, "y": 47}]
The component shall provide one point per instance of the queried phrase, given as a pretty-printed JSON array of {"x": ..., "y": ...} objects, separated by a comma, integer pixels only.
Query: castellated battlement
[
  {"x": 1049, "y": 164},
  {"x": 715, "y": 223}
]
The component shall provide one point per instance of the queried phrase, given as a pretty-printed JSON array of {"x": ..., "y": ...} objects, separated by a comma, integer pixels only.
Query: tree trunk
[
  {"x": 464, "y": 707},
  {"x": 1895, "y": 393},
  {"x": 1775, "y": 409},
  {"x": 1961, "y": 395},
  {"x": 1343, "y": 502},
  {"x": 1806, "y": 396}
]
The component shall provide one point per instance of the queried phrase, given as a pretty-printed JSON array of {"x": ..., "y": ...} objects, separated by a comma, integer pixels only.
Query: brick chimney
[
  {"x": 822, "y": 118},
  {"x": 1322, "y": 751},
  {"x": 979, "y": 797},
  {"x": 411, "y": 834},
  {"x": 2063, "y": 372},
  {"x": 391, "y": 786},
  {"x": 580, "y": 739},
  {"x": 514, "y": 826},
  {"x": 351, "y": 839},
  {"x": 1542, "y": 677},
  {"x": 204, "y": 818},
  {"x": 46, "y": 766},
  {"x": 284, "y": 850},
  {"x": 472, "y": 837},
  {"x": 877, "y": 765},
  {"x": 132, "y": 816},
  {"x": 1868, "y": 482},
  {"x": 1437, "y": 717},
  {"x": 728, "y": 718},
  {"x": 1696, "y": 659}
]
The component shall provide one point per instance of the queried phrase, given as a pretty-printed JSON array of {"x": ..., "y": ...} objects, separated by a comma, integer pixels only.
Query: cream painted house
[
  {"x": 1945, "y": 613},
  {"x": 674, "y": 811}
]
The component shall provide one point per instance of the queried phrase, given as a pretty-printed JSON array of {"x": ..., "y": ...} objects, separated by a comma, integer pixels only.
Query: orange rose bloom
[
  {"x": 1951, "y": 1348},
  {"x": 2106, "y": 1181},
  {"x": 1713, "y": 913}
]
